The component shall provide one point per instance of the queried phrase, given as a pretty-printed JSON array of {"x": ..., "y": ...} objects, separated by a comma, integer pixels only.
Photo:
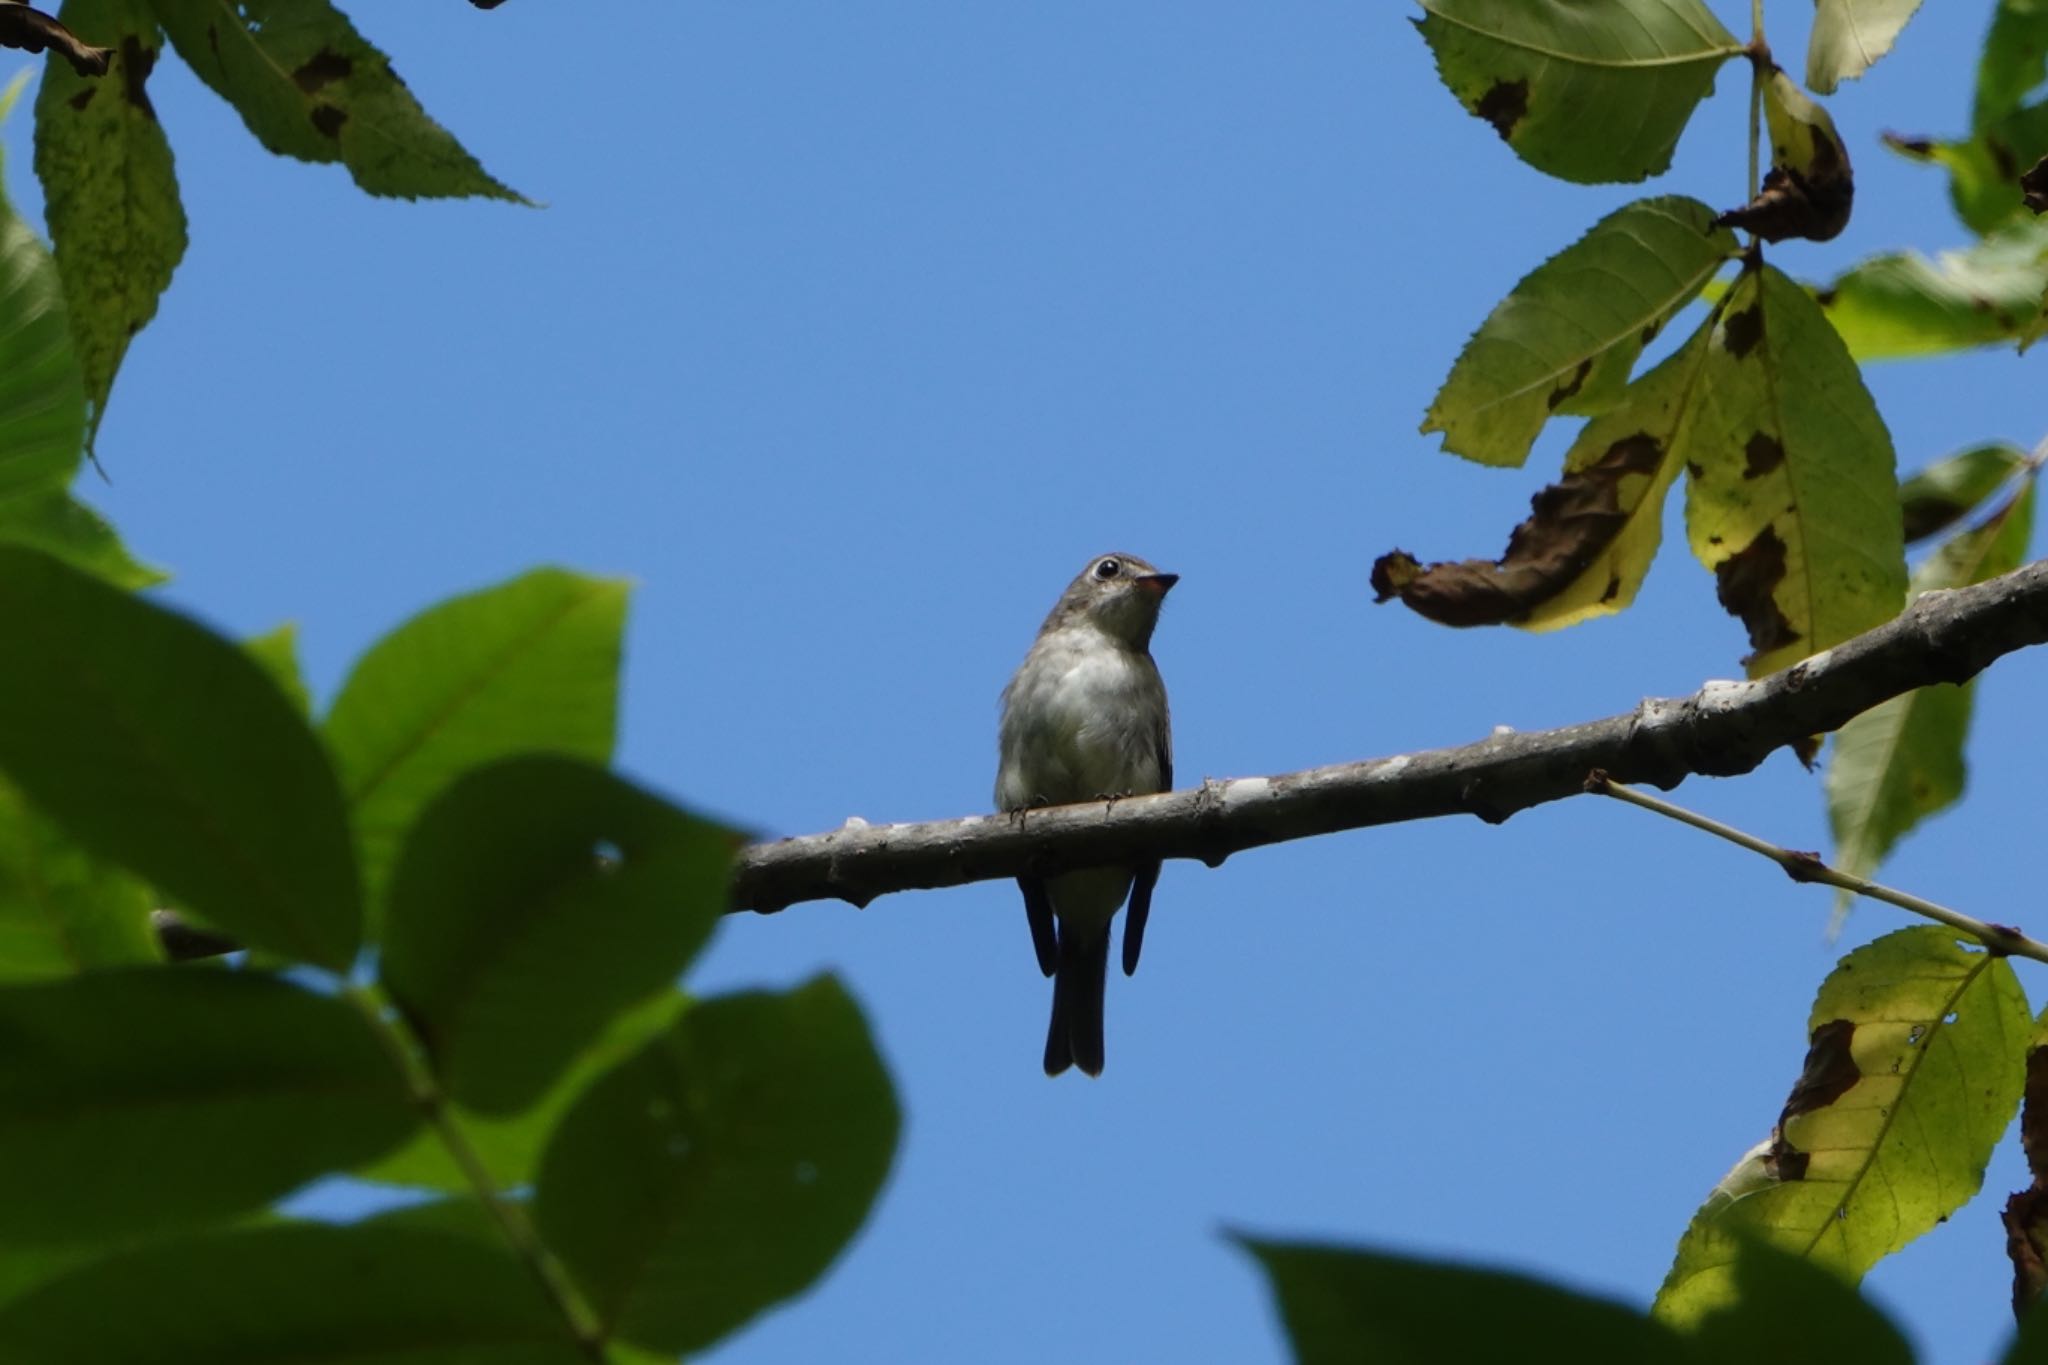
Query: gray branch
[{"x": 1723, "y": 729}]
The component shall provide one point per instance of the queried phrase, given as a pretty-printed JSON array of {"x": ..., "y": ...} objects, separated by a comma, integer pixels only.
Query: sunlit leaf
[
  {"x": 1849, "y": 36},
  {"x": 528, "y": 666},
  {"x": 1566, "y": 338},
  {"x": 1984, "y": 168},
  {"x": 309, "y": 86},
  {"x": 536, "y": 899},
  {"x": 1902, "y": 761},
  {"x": 110, "y": 192},
  {"x": 137, "y": 1100},
  {"x": 722, "y": 1169},
  {"x": 61, "y": 526},
  {"x": 1586, "y": 90},
  {"x": 1809, "y": 189},
  {"x": 62, "y": 910},
  {"x": 365, "y": 1295},
  {"x": 2015, "y": 60},
  {"x": 1906, "y": 304},
  {"x": 159, "y": 745},
  {"x": 1341, "y": 1306},
  {"x": 278, "y": 652},
  {"x": 42, "y": 398},
  {"x": 1914, "y": 1071},
  {"x": 1792, "y": 499}
]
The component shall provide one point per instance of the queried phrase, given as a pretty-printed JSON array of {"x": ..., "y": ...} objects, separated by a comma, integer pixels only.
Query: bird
[{"x": 1085, "y": 718}]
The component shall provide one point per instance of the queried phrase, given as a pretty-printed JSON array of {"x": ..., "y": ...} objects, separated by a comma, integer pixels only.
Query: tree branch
[{"x": 1723, "y": 729}]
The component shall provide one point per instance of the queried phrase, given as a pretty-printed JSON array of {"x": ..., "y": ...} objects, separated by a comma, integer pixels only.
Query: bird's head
[{"x": 1117, "y": 594}]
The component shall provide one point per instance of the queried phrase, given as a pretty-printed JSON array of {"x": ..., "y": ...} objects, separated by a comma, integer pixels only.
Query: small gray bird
[{"x": 1084, "y": 719}]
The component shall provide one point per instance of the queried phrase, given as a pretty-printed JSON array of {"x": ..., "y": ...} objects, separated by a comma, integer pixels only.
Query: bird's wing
[
  {"x": 1147, "y": 874},
  {"x": 1038, "y": 911}
]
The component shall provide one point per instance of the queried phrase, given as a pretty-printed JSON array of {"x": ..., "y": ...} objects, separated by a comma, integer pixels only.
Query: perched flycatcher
[{"x": 1084, "y": 719}]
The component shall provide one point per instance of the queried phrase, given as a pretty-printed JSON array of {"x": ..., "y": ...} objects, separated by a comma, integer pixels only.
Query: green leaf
[
  {"x": 537, "y": 899},
  {"x": 1906, "y": 304},
  {"x": 1341, "y": 1306},
  {"x": 191, "y": 772},
  {"x": 1902, "y": 761},
  {"x": 1585, "y": 90},
  {"x": 1792, "y": 496},
  {"x": 510, "y": 1146},
  {"x": 1588, "y": 541},
  {"x": 1849, "y": 36},
  {"x": 110, "y": 192},
  {"x": 61, "y": 910},
  {"x": 139, "y": 1100},
  {"x": 722, "y": 1169},
  {"x": 2015, "y": 60},
  {"x": 1948, "y": 490},
  {"x": 278, "y": 652},
  {"x": 1914, "y": 1071},
  {"x": 58, "y": 524},
  {"x": 42, "y": 398},
  {"x": 309, "y": 86},
  {"x": 528, "y": 666},
  {"x": 1566, "y": 338},
  {"x": 1787, "y": 1311},
  {"x": 364, "y": 1295},
  {"x": 1984, "y": 169}
]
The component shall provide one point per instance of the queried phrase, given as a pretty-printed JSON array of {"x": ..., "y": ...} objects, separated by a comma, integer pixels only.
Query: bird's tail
[{"x": 1075, "y": 1037}]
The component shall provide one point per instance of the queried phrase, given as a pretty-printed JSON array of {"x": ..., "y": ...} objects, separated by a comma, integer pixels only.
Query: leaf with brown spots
[
  {"x": 1589, "y": 538},
  {"x": 1791, "y": 498},
  {"x": 1912, "y": 1072},
  {"x": 1809, "y": 190},
  {"x": 1849, "y": 36},
  {"x": 1984, "y": 169},
  {"x": 1585, "y": 90},
  {"x": 1902, "y": 761},
  {"x": 1906, "y": 304},
  {"x": 1566, "y": 338},
  {"x": 110, "y": 191},
  {"x": 31, "y": 30},
  {"x": 2026, "y": 1213},
  {"x": 309, "y": 86}
]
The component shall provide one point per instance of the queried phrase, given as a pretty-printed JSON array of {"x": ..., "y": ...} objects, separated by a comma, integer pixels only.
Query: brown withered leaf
[
  {"x": 1569, "y": 523},
  {"x": 2034, "y": 186},
  {"x": 1809, "y": 190},
  {"x": 2026, "y": 1213},
  {"x": 31, "y": 30}
]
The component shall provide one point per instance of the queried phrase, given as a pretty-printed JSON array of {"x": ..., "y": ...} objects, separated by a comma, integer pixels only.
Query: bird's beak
[{"x": 1157, "y": 583}]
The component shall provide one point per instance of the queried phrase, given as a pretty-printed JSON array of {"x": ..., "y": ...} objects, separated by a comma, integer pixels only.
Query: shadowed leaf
[
  {"x": 1950, "y": 489},
  {"x": 61, "y": 910}
]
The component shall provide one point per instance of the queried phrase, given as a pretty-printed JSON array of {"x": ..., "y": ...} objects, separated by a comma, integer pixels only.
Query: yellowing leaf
[
  {"x": 1792, "y": 498},
  {"x": 1566, "y": 338},
  {"x": 1809, "y": 189},
  {"x": 1914, "y": 1070},
  {"x": 1585, "y": 90}
]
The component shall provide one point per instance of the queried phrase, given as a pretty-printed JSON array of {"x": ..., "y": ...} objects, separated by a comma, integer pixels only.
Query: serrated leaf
[
  {"x": 1341, "y": 1306},
  {"x": 1785, "y": 1310},
  {"x": 160, "y": 746},
  {"x": 1589, "y": 539},
  {"x": 1792, "y": 499},
  {"x": 157, "y": 1097},
  {"x": 1809, "y": 189},
  {"x": 110, "y": 192},
  {"x": 722, "y": 1169},
  {"x": 61, "y": 910},
  {"x": 1902, "y": 761},
  {"x": 1565, "y": 339},
  {"x": 362, "y": 1295},
  {"x": 536, "y": 899},
  {"x": 61, "y": 526},
  {"x": 1585, "y": 90},
  {"x": 1849, "y": 36},
  {"x": 1906, "y": 304},
  {"x": 42, "y": 398},
  {"x": 309, "y": 86},
  {"x": 1914, "y": 1071},
  {"x": 529, "y": 666}
]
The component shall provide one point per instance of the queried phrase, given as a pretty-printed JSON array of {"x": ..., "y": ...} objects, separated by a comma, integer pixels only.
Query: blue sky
[{"x": 851, "y": 332}]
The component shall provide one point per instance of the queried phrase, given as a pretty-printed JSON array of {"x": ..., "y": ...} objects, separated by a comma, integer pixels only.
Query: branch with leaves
[{"x": 1723, "y": 729}]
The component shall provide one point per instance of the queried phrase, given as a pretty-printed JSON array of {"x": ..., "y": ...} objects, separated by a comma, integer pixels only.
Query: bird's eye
[{"x": 1109, "y": 568}]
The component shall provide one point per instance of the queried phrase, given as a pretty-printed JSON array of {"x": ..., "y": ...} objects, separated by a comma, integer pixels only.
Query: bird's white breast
[{"x": 1080, "y": 723}]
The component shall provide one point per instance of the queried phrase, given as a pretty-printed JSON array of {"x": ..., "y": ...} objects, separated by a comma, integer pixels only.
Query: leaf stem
[
  {"x": 406, "y": 1050},
  {"x": 1760, "y": 65},
  {"x": 1807, "y": 867}
]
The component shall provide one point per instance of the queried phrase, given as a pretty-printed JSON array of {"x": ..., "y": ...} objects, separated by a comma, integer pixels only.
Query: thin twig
[
  {"x": 398, "y": 1039},
  {"x": 1808, "y": 867}
]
